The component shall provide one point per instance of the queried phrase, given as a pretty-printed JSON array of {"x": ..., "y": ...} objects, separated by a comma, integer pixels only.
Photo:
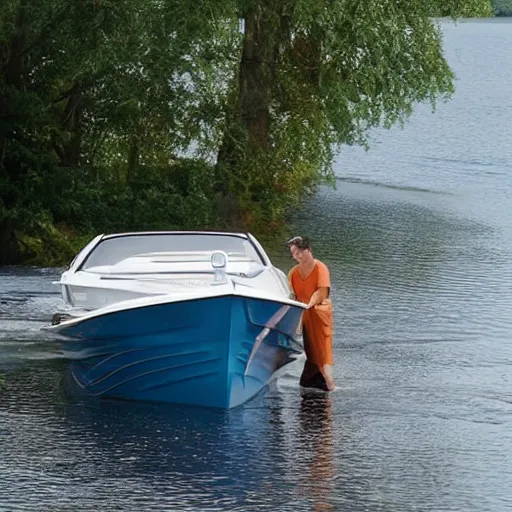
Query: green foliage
[
  {"x": 157, "y": 198},
  {"x": 97, "y": 98},
  {"x": 458, "y": 9},
  {"x": 50, "y": 232}
]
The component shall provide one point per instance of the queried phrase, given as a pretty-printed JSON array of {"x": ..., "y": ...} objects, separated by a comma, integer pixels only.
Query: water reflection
[
  {"x": 316, "y": 432},
  {"x": 183, "y": 458}
]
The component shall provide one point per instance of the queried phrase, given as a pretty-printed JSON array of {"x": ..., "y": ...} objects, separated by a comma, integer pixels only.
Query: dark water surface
[{"x": 418, "y": 237}]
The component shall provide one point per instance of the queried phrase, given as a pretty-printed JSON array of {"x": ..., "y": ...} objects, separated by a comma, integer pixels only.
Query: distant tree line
[{"x": 502, "y": 7}]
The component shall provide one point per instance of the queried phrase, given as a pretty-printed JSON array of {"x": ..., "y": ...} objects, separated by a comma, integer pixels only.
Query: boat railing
[
  {"x": 131, "y": 275},
  {"x": 190, "y": 256},
  {"x": 176, "y": 264}
]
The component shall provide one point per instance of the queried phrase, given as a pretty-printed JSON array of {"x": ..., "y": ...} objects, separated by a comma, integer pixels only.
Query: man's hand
[{"x": 319, "y": 296}]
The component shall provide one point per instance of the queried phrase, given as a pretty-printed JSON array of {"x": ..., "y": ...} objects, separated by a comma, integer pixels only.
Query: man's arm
[{"x": 320, "y": 295}]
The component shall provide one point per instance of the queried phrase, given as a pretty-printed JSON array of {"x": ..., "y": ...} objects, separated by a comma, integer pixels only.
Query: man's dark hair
[{"x": 301, "y": 242}]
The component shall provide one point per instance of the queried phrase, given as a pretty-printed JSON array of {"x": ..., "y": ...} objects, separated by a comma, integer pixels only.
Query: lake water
[{"x": 418, "y": 237}]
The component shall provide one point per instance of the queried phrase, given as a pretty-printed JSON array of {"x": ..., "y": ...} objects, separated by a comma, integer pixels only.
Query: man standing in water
[{"x": 311, "y": 284}]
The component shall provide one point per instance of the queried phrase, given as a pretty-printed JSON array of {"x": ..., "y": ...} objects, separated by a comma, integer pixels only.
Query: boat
[{"x": 189, "y": 317}]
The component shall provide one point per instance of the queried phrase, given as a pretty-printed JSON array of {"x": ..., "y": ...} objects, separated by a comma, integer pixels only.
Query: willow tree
[{"x": 315, "y": 74}]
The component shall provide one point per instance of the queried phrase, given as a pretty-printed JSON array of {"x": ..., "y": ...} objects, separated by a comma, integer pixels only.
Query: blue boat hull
[{"x": 214, "y": 352}]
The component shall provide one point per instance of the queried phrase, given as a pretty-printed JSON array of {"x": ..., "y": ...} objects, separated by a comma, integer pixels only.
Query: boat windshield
[{"x": 113, "y": 250}]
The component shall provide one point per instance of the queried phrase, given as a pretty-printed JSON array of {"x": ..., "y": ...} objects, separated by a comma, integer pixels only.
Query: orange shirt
[
  {"x": 305, "y": 287},
  {"x": 318, "y": 320}
]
